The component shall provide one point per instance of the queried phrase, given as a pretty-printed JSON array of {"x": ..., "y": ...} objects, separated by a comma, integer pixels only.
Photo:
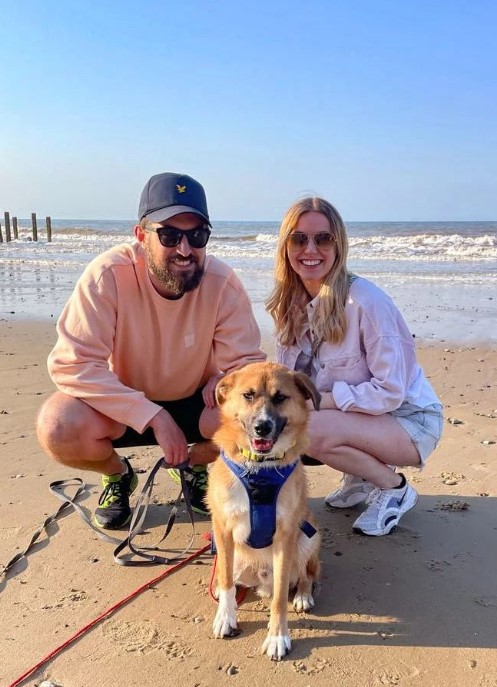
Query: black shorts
[
  {"x": 308, "y": 460},
  {"x": 185, "y": 412}
]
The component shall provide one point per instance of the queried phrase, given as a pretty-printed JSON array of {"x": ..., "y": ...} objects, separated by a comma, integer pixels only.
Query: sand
[{"x": 418, "y": 607}]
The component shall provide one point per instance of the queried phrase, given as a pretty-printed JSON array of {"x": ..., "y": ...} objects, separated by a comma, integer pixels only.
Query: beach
[{"x": 418, "y": 607}]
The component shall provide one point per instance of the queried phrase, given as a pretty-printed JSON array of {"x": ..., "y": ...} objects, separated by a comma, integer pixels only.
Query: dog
[{"x": 257, "y": 496}]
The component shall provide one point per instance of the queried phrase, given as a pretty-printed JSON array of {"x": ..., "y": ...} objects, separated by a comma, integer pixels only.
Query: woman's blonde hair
[{"x": 287, "y": 302}]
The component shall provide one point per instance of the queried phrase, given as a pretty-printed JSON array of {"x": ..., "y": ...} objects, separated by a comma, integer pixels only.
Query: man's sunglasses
[
  {"x": 322, "y": 239},
  {"x": 170, "y": 237}
]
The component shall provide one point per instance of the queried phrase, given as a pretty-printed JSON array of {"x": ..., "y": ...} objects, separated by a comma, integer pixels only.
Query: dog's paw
[
  {"x": 276, "y": 646},
  {"x": 224, "y": 628},
  {"x": 225, "y": 624},
  {"x": 303, "y": 602}
]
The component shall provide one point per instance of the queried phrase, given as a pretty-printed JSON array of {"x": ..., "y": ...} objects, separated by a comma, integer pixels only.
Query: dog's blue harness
[{"x": 263, "y": 487}]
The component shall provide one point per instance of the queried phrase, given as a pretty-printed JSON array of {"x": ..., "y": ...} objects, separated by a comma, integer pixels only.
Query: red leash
[
  {"x": 107, "y": 613},
  {"x": 240, "y": 591}
]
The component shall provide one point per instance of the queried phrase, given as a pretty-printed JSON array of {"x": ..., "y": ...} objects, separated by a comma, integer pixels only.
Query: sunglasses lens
[
  {"x": 298, "y": 240},
  {"x": 324, "y": 239},
  {"x": 197, "y": 238},
  {"x": 170, "y": 237}
]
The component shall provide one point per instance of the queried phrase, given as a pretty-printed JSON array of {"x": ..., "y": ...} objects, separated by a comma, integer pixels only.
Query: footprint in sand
[
  {"x": 311, "y": 667},
  {"x": 328, "y": 539},
  {"x": 395, "y": 677},
  {"x": 9, "y": 533},
  {"x": 69, "y": 601},
  {"x": 437, "y": 566},
  {"x": 143, "y": 637},
  {"x": 486, "y": 601}
]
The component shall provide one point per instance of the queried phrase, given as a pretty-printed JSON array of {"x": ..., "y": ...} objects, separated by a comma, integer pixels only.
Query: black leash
[
  {"x": 139, "y": 514},
  {"x": 51, "y": 518},
  {"x": 59, "y": 488}
]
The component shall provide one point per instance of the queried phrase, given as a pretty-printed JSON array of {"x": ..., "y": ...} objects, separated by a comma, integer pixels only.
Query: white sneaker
[
  {"x": 354, "y": 490},
  {"x": 386, "y": 507}
]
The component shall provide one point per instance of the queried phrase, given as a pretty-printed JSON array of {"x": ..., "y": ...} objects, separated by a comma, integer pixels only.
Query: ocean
[{"x": 442, "y": 275}]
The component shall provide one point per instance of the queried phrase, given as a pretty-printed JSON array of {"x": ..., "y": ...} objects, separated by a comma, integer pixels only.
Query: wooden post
[
  {"x": 48, "y": 222},
  {"x": 7, "y": 226},
  {"x": 1, "y": 237},
  {"x": 35, "y": 226},
  {"x": 14, "y": 227}
]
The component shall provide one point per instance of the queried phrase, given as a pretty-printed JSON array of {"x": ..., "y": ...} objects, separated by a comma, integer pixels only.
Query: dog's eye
[
  {"x": 248, "y": 395},
  {"x": 279, "y": 398}
]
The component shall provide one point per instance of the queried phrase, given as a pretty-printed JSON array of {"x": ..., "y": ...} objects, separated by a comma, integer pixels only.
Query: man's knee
[{"x": 58, "y": 423}]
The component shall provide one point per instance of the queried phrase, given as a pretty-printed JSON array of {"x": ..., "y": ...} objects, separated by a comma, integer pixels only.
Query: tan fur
[{"x": 263, "y": 392}]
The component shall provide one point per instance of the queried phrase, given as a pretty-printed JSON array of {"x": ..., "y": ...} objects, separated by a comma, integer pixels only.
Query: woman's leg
[
  {"x": 362, "y": 445},
  {"x": 365, "y": 446}
]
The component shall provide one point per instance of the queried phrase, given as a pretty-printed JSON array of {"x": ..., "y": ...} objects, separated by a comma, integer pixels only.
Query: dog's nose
[{"x": 263, "y": 428}]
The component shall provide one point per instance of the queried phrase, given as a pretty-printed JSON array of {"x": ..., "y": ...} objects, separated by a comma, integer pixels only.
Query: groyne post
[
  {"x": 35, "y": 226},
  {"x": 14, "y": 227},
  {"x": 48, "y": 223},
  {"x": 6, "y": 217},
  {"x": 1, "y": 237}
]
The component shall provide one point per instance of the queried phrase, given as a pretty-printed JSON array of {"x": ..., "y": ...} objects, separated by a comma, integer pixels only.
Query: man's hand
[
  {"x": 208, "y": 392},
  {"x": 169, "y": 437}
]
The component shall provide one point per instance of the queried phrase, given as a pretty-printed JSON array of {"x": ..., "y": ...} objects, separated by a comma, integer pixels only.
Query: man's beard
[{"x": 176, "y": 284}]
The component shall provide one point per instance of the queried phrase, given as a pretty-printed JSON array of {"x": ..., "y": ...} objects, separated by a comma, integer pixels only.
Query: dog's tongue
[{"x": 262, "y": 445}]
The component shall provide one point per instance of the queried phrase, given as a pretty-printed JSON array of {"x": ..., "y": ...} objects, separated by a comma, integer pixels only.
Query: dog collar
[{"x": 260, "y": 457}]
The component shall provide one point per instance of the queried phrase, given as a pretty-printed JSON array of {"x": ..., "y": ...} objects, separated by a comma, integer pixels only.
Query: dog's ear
[
  {"x": 306, "y": 387},
  {"x": 223, "y": 386}
]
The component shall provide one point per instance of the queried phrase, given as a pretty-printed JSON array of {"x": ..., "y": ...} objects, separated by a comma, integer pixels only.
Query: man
[{"x": 149, "y": 329}]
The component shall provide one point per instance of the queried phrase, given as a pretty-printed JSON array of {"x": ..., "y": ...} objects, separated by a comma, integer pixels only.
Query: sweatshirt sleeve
[
  {"x": 387, "y": 388},
  {"x": 390, "y": 357},
  {"x": 237, "y": 338},
  {"x": 79, "y": 363}
]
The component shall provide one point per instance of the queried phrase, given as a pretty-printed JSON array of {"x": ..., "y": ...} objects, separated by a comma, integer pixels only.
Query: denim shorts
[{"x": 424, "y": 426}]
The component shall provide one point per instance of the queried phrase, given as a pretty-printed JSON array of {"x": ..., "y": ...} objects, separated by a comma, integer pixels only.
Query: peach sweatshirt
[{"x": 121, "y": 346}]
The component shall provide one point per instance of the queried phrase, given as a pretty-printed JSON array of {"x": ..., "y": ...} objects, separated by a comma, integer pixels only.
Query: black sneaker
[
  {"x": 114, "y": 511},
  {"x": 196, "y": 481}
]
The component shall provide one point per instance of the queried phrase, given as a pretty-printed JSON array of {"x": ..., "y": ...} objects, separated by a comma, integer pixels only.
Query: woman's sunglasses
[
  {"x": 170, "y": 237},
  {"x": 322, "y": 239}
]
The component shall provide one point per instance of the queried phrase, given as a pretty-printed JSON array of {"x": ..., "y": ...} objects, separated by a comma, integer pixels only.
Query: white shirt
[{"x": 374, "y": 370}]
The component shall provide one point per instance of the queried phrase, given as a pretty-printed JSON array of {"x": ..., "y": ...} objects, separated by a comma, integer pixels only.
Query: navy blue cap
[{"x": 169, "y": 194}]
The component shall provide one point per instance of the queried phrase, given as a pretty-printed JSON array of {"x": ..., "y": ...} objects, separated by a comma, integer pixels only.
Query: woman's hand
[{"x": 327, "y": 402}]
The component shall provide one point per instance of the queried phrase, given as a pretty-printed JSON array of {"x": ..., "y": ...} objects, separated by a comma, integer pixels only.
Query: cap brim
[{"x": 167, "y": 213}]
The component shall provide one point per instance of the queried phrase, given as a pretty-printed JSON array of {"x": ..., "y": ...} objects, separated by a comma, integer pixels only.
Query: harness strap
[{"x": 262, "y": 487}]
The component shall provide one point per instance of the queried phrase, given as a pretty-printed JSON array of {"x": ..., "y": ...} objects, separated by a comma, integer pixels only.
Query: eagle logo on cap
[{"x": 180, "y": 189}]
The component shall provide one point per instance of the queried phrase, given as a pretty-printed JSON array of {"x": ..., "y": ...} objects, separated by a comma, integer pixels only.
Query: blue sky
[{"x": 387, "y": 108}]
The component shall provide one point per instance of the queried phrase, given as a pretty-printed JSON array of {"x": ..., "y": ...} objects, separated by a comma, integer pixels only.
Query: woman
[{"x": 378, "y": 410}]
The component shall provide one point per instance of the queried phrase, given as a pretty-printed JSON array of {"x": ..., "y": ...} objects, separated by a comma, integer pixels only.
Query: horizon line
[{"x": 41, "y": 217}]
